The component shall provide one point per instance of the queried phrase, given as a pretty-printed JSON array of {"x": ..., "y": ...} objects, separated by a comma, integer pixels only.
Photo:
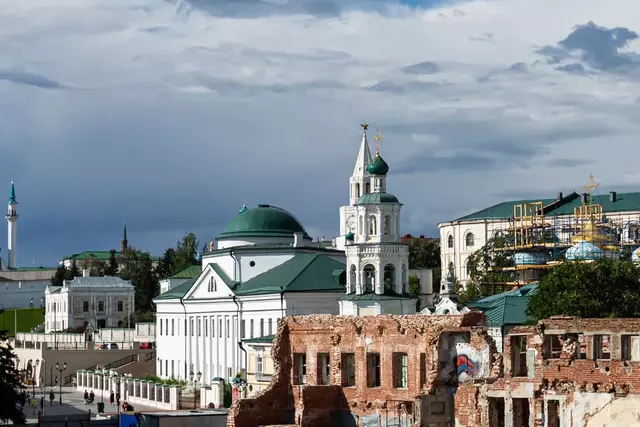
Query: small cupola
[{"x": 378, "y": 166}]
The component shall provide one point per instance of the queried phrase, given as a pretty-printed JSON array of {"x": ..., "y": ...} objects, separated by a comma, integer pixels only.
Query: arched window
[
  {"x": 389, "y": 277},
  {"x": 387, "y": 224},
  {"x": 368, "y": 188},
  {"x": 357, "y": 190},
  {"x": 212, "y": 285},
  {"x": 369, "y": 276},
  {"x": 373, "y": 225},
  {"x": 469, "y": 239},
  {"x": 450, "y": 241}
]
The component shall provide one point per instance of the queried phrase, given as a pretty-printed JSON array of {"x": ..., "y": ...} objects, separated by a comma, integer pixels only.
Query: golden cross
[
  {"x": 592, "y": 185},
  {"x": 378, "y": 137}
]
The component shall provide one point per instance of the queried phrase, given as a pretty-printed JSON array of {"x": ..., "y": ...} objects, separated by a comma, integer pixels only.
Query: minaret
[
  {"x": 125, "y": 243},
  {"x": 12, "y": 227}
]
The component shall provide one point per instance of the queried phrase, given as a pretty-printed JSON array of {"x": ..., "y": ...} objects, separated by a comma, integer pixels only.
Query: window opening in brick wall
[
  {"x": 630, "y": 347},
  {"x": 400, "y": 370},
  {"x": 373, "y": 369},
  {"x": 553, "y": 346},
  {"x": 520, "y": 412},
  {"x": 324, "y": 369},
  {"x": 348, "y": 369},
  {"x": 601, "y": 347},
  {"x": 582, "y": 346},
  {"x": 496, "y": 412},
  {"x": 553, "y": 413},
  {"x": 423, "y": 369},
  {"x": 299, "y": 368},
  {"x": 519, "y": 355}
]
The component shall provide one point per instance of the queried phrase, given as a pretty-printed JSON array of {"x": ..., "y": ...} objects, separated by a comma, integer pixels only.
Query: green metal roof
[
  {"x": 378, "y": 166},
  {"x": 377, "y": 199},
  {"x": 179, "y": 291},
  {"x": 624, "y": 202},
  {"x": 268, "y": 339},
  {"x": 302, "y": 273},
  {"x": 370, "y": 296},
  {"x": 507, "y": 308},
  {"x": 95, "y": 255},
  {"x": 220, "y": 272},
  {"x": 188, "y": 272},
  {"x": 263, "y": 221}
]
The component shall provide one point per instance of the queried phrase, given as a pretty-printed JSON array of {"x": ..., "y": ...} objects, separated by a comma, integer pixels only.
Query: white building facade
[{"x": 99, "y": 302}]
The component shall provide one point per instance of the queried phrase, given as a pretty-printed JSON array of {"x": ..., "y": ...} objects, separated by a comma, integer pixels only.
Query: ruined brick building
[
  {"x": 371, "y": 370},
  {"x": 438, "y": 371}
]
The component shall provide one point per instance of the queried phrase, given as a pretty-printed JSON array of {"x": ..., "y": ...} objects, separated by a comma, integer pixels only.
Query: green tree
[
  {"x": 425, "y": 253},
  {"x": 112, "y": 268},
  {"x": 97, "y": 268},
  {"x": 73, "y": 271},
  {"x": 59, "y": 276},
  {"x": 138, "y": 267},
  {"x": 185, "y": 253},
  {"x": 166, "y": 266},
  {"x": 483, "y": 266},
  {"x": 10, "y": 385},
  {"x": 604, "y": 288}
]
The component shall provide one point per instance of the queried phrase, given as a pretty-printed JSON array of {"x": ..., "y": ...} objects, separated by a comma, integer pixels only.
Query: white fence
[
  {"x": 132, "y": 390},
  {"x": 212, "y": 396},
  {"x": 124, "y": 338}
]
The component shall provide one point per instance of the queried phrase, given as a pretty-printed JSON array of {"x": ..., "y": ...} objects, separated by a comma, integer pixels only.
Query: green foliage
[
  {"x": 489, "y": 257},
  {"x": 96, "y": 268},
  {"x": 73, "y": 271},
  {"x": 164, "y": 381},
  {"x": 59, "y": 276},
  {"x": 185, "y": 253},
  {"x": 138, "y": 267},
  {"x": 468, "y": 293},
  {"x": 10, "y": 386},
  {"x": 604, "y": 288},
  {"x": 112, "y": 268},
  {"x": 166, "y": 266},
  {"x": 28, "y": 318},
  {"x": 425, "y": 253}
]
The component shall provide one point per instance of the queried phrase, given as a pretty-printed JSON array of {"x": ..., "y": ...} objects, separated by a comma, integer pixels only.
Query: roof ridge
[{"x": 315, "y": 256}]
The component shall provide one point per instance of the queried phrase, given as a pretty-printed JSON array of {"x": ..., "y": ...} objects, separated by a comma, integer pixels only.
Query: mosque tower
[{"x": 12, "y": 227}]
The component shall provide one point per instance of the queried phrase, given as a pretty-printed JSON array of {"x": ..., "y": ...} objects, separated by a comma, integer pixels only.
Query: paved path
[{"x": 72, "y": 403}]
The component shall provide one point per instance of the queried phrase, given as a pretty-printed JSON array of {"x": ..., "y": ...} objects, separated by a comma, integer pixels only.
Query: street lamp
[
  {"x": 60, "y": 369},
  {"x": 104, "y": 372},
  {"x": 116, "y": 377},
  {"x": 126, "y": 385},
  {"x": 195, "y": 385}
]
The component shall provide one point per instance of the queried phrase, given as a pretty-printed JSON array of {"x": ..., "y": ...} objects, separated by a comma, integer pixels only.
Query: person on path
[
  {"x": 118, "y": 398},
  {"x": 51, "y": 397},
  {"x": 91, "y": 397},
  {"x": 112, "y": 398},
  {"x": 86, "y": 397}
]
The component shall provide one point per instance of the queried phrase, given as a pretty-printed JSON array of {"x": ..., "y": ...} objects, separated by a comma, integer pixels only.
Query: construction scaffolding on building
[{"x": 533, "y": 242}]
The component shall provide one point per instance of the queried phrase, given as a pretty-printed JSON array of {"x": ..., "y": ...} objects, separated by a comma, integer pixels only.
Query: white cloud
[{"x": 265, "y": 109}]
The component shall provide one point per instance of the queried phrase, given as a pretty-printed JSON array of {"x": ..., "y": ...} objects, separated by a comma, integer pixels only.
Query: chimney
[
  {"x": 585, "y": 198},
  {"x": 298, "y": 240},
  {"x": 559, "y": 196},
  {"x": 85, "y": 272},
  {"x": 613, "y": 196}
]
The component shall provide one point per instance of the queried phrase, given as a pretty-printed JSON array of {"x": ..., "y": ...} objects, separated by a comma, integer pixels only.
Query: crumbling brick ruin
[
  {"x": 371, "y": 370},
  {"x": 564, "y": 372}
]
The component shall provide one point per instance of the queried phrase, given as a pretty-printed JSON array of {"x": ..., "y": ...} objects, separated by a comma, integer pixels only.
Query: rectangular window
[
  {"x": 120, "y": 305},
  {"x": 206, "y": 328},
  {"x": 270, "y": 326},
  {"x": 213, "y": 327},
  {"x": 259, "y": 366},
  {"x": 100, "y": 306},
  {"x": 166, "y": 326},
  {"x": 191, "y": 326},
  {"x": 299, "y": 368},
  {"x": 519, "y": 355},
  {"x": 166, "y": 367},
  {"x": 261, "y": 327},
  {"x": 85, "y": 306},
  {"x": 348, "y": 369},
  {"x": 630, "y": 347},
  {"x": 242, "y": 329},
  {"x": 173, "y": 325},
  {"x": 229, "y": 373},
  {"x": 324, "y": 369},
  {"x": 199, "y": 327},
  {"x": 220, "y": 328},
  {"x": 228, "y": 329},
  {"x": 160, "y": 326},
  {"x": 251, "y": 329},
  {"x": 160, "y": 366},
  {"x": 601, "y": 347},
  {"x": 172, "y": 366},
  {"x": 373, "y": 370},
  {"x": 400, "y": 370}
]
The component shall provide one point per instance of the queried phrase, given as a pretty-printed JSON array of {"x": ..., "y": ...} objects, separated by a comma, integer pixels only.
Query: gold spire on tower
[{"x": 378, "y": 137}]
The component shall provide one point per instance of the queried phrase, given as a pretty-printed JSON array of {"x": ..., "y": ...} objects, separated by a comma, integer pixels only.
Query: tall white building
[
  {"x": 377, "y": 262},
  {"x": 12, "y": 228}
]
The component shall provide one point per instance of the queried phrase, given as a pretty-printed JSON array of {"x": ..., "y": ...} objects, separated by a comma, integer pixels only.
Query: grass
[{"x": 28, "y": 318}]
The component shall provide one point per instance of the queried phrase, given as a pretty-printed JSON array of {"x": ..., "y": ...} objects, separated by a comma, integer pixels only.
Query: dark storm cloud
[
  {"x": 575, "y": 68},
  {"x": 29, "y": 79},
  {"x": 421, "y": 68},
  {"x": 518, "y": 67},
  {"x": 407, "y": 87},
  {"x": 596, "y": 46}
]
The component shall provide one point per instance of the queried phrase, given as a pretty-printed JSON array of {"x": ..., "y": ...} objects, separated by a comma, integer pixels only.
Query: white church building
[{"x": 266, "y": 267}]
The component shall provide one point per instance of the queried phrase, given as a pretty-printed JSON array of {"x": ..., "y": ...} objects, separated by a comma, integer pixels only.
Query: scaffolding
[{"x": 530, "y": 242}]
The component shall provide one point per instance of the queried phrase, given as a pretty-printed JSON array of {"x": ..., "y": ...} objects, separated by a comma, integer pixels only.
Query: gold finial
[
  {"x": 592, "y": 186},
  {"x": 211, "y": 246},
  {"x": 364, "y": 126},
  {"x": 378, "y": 137}
]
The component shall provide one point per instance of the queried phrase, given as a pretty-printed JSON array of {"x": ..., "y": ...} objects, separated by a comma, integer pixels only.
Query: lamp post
[
  {"x": 126, "y": 385},
  {"x": 44, "y": 383},
  {"x": 33, "y": 377},
  {"x": 60, "y": 369},
  {"x": 104, "y": 372},
  {"x": 116, "y": 378},
  {"x": 195, "y": 388}
]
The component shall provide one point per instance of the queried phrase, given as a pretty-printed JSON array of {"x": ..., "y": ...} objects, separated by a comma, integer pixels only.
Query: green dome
[
  {"x": 263, "y": 221},
  {"x": 350, "y": 236},
  {"x": 378, "y": 166},
  {"x": 378, "y": 199}
]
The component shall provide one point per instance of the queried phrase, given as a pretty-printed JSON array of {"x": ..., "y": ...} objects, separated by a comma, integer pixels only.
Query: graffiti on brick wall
[{"x": 460, "y": 362}]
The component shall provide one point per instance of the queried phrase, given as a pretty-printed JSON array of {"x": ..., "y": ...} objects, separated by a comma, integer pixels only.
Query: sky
[{"x": 170, "y": 115}]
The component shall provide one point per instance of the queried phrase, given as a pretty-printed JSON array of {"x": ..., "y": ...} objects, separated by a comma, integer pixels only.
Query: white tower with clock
[{"x": 377, "y": 263}]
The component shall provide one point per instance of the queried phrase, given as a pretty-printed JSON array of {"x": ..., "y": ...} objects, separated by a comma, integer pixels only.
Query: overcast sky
[{"x": 170, "y": 115}]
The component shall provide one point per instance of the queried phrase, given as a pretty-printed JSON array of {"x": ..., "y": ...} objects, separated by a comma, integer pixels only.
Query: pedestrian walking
[
  {"x": 118, "y": 398},
  {"x": 52, "y": 397},
  {"x": 112, "y": 398}
]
